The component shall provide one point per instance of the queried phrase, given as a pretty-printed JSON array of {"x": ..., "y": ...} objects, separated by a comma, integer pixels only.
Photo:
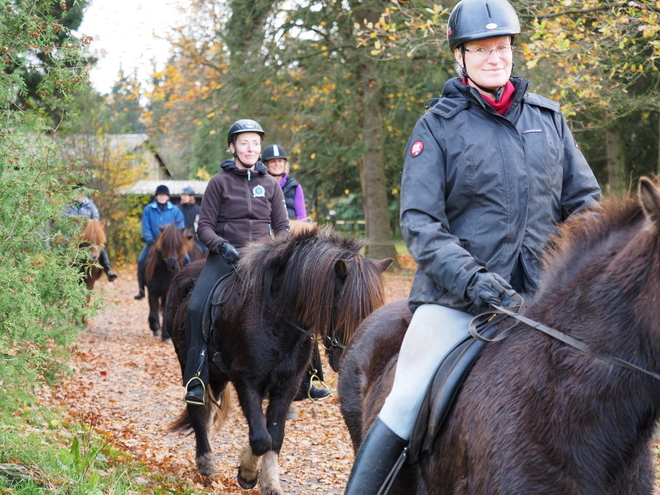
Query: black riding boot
[
  {"x": 140, "y": 276},
  {"x": 375, "y": 460},
  {"x": 104, "y": 261},
  {"x": 195, "y": 388}
]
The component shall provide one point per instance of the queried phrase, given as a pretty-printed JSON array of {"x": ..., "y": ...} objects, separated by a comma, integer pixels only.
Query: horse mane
[
  {"x": 298, "y": 276},
  {"x": 612, "y": 243},
  {"x": 170, "y": 240},
  {"x": 94, "y": 233}
]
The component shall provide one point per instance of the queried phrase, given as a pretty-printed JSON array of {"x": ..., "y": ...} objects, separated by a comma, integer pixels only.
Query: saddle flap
[
  {"x": 442, "y": 392},
  {"x": 213, "y": 302}
]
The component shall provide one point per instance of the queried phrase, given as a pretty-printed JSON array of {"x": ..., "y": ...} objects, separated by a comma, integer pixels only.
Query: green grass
[{"x": 54, "y": 455}]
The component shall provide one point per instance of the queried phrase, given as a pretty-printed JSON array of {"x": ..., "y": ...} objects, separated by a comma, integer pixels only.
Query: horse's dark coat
[
  {"x": 165, "y": 259},
  {"x": 536, "y": 416},
  {"x": 286, "y": 290}
]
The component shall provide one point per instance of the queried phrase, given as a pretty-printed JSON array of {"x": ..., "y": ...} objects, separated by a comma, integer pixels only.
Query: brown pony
[
  {"x": 535, "y": 415},
  {"x": 285, "y": 297},
  {"x": 166, "y": 257},
  {"x": 92, "y": 241}
]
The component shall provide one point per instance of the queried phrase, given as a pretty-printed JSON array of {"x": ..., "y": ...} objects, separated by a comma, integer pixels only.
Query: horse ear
[
  {"x": 649, "y": 195},
  {"x": 341, "y": 269},
  {"x": 385, "y": 264}
]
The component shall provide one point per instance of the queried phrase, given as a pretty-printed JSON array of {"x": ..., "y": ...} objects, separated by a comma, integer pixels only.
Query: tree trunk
[
  {"x": 615, "y": 161},
  {"x": 372, "y": 171}
]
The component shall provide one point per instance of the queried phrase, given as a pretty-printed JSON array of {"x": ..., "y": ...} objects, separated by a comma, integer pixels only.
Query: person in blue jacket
[
  {"x": 159, "y": 213},
  {"x": 489, "y": 172}
]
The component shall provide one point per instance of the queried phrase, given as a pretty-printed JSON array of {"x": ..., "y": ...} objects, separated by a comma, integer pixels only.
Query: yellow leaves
[
  {"x": 202, "y": 174},
  {"x": 212, "y": 131},
  {"x": 210, "y": 115},
  {"x": 312, "y": 156}
]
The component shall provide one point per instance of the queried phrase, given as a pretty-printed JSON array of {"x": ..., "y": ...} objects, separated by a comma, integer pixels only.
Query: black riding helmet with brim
[
  {"x": 241, "y": 126},
  {"x": 473, "y": 20}
]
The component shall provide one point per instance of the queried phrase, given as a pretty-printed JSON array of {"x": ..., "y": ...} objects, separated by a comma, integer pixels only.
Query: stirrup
[
  {"x": 315, "y": 378},
  {"x": 193, "y": 401}
]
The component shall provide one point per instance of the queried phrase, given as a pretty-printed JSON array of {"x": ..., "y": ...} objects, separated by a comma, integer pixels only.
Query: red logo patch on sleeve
[{"x": 417, "y": 148}]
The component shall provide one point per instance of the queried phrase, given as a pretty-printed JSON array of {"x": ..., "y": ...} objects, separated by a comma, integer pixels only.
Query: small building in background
[{"x": 148, "y": 188}]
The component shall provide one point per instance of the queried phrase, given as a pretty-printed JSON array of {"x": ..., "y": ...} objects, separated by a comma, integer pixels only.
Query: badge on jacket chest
[{"x": 259, "y": 191}]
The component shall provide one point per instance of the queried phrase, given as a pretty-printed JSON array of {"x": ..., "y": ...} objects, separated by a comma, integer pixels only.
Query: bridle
[{"x": 485, "y": 320}]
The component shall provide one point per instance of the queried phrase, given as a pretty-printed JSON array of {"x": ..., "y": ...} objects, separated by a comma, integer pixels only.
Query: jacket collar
[
  {"x": 168, "y": 205},
  {"x": 454, "y": 88},
  {"x": 230, "y": 166}
]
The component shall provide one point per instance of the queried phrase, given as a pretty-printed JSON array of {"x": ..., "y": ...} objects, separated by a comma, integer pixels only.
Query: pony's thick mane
[
  {"x": 170, "y": 240},
  {"x": 94, "y": 233},
  {"x": 298, "y": 276}
]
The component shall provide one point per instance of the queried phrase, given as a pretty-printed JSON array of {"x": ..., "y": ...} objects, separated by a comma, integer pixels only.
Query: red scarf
[{"x": 506, "y": 98}]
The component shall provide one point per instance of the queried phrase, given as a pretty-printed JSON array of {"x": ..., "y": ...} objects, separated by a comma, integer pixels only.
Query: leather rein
[{"x": 485, "y": 320}]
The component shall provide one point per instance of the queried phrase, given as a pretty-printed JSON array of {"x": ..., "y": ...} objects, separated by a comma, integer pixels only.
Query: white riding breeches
[{"x": 434, "y": 330}]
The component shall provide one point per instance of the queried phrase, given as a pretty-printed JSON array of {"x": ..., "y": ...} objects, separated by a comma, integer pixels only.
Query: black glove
[
  {"x": 228, "y": 252},
  {"x": 487, "y": 288}
]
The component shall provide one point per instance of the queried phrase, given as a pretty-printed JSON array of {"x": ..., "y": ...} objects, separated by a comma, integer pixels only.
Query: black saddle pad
[{"x": 442, "y": 392}]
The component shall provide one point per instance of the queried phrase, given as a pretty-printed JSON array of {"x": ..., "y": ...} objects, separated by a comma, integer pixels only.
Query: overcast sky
[{"x": 130, "y": 34}]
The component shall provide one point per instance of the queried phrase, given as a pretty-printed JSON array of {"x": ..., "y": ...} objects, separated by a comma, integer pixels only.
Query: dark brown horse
[
  {"x": 165, "y": 259},
  {"x": 536, "y": 415},
  {"x": 285, "y": 297}
]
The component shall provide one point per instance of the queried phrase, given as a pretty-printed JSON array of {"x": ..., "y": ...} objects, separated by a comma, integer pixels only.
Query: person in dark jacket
[
  {"x": 85, "y": 207},
  {"x": 161, "y": 212},
  {"x": 190, "y": 212},
  {"x": 241, "y": 204},
  {"x": 489, "y": 172},
  {"x": 277, "y": 162}
]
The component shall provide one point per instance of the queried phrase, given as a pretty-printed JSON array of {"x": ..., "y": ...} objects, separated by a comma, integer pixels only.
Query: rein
[{"x": 487, "y": 319}]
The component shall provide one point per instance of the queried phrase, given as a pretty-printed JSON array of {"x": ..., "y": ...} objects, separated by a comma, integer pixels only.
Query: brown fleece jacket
[{"x": 241, "y": 206}]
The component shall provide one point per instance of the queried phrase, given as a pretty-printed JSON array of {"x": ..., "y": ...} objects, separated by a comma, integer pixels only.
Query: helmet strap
[{"x": 239, "y": 160}]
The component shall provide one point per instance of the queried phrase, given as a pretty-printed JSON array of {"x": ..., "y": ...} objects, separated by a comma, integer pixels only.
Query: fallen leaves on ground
[{"x": 127, "y": 386}]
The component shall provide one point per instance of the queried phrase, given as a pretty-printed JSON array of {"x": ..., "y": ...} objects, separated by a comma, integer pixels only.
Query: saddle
[
  {"x": 211, "y": 307},
  {"x": 443, "y": 390}
]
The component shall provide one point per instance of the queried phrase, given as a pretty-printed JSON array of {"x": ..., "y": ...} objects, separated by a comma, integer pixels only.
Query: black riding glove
[
  {"x": 487, "y": 288},
  {"x": 228, "y": 252}
]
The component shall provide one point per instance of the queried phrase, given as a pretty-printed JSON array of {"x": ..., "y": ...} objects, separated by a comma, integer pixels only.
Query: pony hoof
[
  {"x": 246, "y": 484},
  {"x": 206, "y": 465},
  {"x": 167, "y": 341}
]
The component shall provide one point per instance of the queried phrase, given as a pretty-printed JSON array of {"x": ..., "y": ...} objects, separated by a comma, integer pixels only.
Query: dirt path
[{"x": 127, "y": 384}]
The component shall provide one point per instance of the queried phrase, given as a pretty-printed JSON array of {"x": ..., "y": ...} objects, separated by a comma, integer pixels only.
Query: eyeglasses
[{"x": 483, "y": 53}]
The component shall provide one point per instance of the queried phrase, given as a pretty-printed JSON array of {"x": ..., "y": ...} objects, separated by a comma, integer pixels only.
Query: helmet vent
[{"x": 490, "y": 16}]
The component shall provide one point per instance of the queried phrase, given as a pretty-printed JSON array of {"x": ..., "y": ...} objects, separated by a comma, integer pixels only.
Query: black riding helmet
[
  {"x": 240, "y": 126},
  {"x": 244, "y": 125},
  {"x": 274, "y": 151},
  {"x": 473, "y": 20}
]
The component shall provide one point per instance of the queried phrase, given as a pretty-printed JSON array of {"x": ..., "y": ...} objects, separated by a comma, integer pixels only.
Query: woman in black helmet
[
  {"x": 489, "y": 172},
  {"x": 241, "y": 204},
  {"x": 277, "y": 163}
]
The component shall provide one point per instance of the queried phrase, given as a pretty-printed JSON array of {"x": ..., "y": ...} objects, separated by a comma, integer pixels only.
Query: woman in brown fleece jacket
[{"x": 241, "y": 204}]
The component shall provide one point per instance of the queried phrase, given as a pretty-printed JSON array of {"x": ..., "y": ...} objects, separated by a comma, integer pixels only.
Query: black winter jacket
[{"x": 485, "y": 191}]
